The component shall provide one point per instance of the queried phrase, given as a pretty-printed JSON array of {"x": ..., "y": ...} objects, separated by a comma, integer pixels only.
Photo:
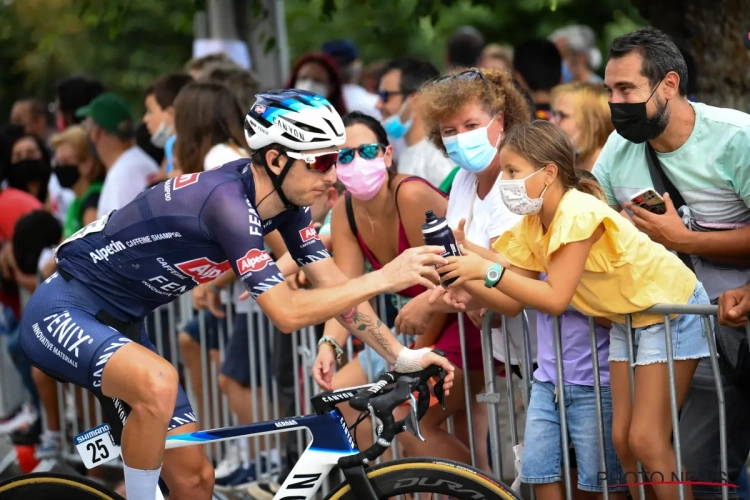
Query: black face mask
[
  {"x": 632, "y": 123},
  {"x": 67, "y": 175},
  {"x": 24, "y": 172}
]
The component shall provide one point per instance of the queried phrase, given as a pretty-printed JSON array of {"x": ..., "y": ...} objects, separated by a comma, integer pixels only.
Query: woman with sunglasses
[{"x": 380, "y": 218}]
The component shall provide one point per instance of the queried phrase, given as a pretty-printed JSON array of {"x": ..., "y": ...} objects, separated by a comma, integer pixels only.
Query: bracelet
[
  {"x": 213, "y": 288},
  {"x": 331, "y": 342}
]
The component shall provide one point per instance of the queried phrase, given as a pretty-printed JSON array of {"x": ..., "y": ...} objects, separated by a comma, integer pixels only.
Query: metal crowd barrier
[{"x": 75, "y": 408}]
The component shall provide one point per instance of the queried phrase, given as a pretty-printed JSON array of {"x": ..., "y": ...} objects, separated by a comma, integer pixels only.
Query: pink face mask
[{"x": 363, "y": 178}]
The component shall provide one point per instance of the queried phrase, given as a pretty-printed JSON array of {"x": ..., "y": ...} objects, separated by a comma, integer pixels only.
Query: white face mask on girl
[{"x": 517, "y": 199}]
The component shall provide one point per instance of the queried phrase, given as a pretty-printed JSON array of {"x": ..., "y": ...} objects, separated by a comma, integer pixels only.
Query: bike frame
[{"x": 331, "y": 440}]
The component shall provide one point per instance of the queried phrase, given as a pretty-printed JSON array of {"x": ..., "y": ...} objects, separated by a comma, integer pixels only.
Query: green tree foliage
[
  {"x": 128, "y": 43},
  {"x": 393, "y": 28}
]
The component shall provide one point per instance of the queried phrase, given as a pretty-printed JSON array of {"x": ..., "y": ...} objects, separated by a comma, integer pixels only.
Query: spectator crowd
[{"x": 532, "y": 153}]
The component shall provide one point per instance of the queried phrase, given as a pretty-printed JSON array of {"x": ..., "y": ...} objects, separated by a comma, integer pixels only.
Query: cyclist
[{"x": 84, "y": 324}]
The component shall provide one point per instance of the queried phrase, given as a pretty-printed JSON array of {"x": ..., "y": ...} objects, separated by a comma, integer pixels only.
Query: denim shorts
[
  {"x": 214, "y": 327},
  {"x": 246, "y": 328},
  {"x": 689, "y": 339},
  {"x": 542, "y": 448}
]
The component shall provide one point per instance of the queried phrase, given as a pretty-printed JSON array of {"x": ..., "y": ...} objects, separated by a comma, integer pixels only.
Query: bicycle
[{"x": 332, "y": 444}]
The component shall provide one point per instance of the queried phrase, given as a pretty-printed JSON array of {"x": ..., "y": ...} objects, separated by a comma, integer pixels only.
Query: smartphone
[{"x": 650, "y": 200}]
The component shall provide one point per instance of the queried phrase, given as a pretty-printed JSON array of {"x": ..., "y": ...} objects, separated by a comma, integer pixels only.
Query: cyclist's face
[{"x": 303, "y": 185}]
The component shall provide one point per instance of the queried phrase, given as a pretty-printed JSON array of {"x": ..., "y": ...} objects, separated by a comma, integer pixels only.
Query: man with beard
[{"x": 700, "y": 154}]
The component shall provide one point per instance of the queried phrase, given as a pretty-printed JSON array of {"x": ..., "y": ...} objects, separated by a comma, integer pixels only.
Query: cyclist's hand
[
  {"x": 323, "y": 367},
  {"x": 413, "y": 267},
  {"x": 409, "y": 361},
  {"x": 734, "y": 305}
]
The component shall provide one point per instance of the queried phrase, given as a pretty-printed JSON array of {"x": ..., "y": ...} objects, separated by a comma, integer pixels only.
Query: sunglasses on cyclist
[
  {"x": 366, "y": 152},
  {"x": 471, "y": 75},
  {"x": 320, "y": 162}
]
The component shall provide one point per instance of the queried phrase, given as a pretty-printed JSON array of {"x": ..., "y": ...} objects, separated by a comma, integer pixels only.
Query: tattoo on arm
[{"x": 364, "y": 322}]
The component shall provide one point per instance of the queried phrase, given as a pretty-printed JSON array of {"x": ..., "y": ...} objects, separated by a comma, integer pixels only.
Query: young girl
[{"x": 597, "y": 261}]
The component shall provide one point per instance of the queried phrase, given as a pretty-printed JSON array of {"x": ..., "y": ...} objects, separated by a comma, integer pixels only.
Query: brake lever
[
  {"x": 439, "y": 390},
  {"x": 411, "y": 422}
]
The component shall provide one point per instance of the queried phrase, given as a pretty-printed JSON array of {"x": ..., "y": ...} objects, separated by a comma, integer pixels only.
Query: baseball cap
[
  {"x": 344, "y": 52},
  {"x": 109, "y": 111}
]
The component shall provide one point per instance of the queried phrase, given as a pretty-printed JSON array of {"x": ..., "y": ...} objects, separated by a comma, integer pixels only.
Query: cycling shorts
[{"x": 63, "y": 335}]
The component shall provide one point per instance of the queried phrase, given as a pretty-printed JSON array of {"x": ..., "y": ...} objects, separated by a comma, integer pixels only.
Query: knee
[
  {"x": 645, "y": 445},
  {"x": 621, "y": 441},
  {"x": 195, "y": 484},
  {"x": 226, "y": 383},
  {"x": 186, "y": 342},
  {"x": 158, "y": 391}
]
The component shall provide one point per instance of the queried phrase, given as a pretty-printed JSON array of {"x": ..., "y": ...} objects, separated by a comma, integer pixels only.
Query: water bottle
[{"x": 435, "y": 231}]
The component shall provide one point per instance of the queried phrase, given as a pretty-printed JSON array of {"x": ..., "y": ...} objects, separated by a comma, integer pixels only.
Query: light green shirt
[{"x": 711, "y": 170}]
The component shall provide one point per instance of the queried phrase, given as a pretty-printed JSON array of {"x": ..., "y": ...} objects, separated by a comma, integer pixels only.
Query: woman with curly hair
[{"x": 466, "y": 116}]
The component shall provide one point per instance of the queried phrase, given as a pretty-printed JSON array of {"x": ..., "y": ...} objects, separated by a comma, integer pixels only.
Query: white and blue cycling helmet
[{"x": 296, "y": 119}]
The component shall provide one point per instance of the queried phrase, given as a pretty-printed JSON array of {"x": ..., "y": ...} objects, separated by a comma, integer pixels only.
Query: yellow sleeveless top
[{"x": 625, "y": 272}]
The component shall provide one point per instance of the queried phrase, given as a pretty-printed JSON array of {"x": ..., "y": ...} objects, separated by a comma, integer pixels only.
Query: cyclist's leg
[
  {"x": 186, "y": 471},
  {"x": 61, "y": 335}
]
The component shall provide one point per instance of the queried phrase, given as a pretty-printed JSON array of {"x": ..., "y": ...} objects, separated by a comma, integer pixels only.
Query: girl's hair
[
  {"x": 336, "y": 97},
  {"x": 359, "y": 118},
  {"x": 541, "y": 143},
  {"x": 591, "y": 113},
  {"x": 205, "y": 114},
  {"x": 75, "y": 137},
  {"x": 445, "y": 97}
]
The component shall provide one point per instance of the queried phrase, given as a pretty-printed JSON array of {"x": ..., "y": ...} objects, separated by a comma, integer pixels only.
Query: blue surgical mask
[
  {"x": 395, "y": 128},
  {"x": 567, "y": 75},
  {"x": 472, "y": 150}
]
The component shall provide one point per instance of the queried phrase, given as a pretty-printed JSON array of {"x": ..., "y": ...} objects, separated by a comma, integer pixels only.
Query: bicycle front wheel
[
  {"x": 410, "y": 476},
  {"x": 48, "y": 486}
]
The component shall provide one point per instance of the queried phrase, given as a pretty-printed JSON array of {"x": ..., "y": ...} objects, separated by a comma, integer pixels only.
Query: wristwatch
[{"x": 494, "y": 275}]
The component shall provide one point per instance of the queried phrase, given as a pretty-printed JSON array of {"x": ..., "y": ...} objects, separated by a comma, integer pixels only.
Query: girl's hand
[{"x": 469, "y": 266}]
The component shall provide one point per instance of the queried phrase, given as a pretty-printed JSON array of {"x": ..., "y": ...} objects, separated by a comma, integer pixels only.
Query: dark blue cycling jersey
[{"x": 183, "y": 232}]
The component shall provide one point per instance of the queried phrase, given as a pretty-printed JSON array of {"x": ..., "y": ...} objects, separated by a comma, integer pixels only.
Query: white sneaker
[
  {"x": 230, "y": 463},
  {"x": 51, "y": 445},
  {"x": 24, "y": 418}
]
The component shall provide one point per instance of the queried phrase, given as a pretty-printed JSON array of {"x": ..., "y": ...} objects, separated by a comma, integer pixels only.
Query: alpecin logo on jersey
[
  {"x": 185, "y": 180},
  {"x": 203, "y": 270},
  {"x": 255, "y": 260},
  {"x": 309, "y": 233}
]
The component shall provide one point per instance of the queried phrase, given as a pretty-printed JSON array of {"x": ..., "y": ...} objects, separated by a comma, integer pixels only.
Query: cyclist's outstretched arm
[
  {"x": 291, "y": 310},
  {"x": 359, "y": 319},
  {"x": 241, "y": 238}
]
